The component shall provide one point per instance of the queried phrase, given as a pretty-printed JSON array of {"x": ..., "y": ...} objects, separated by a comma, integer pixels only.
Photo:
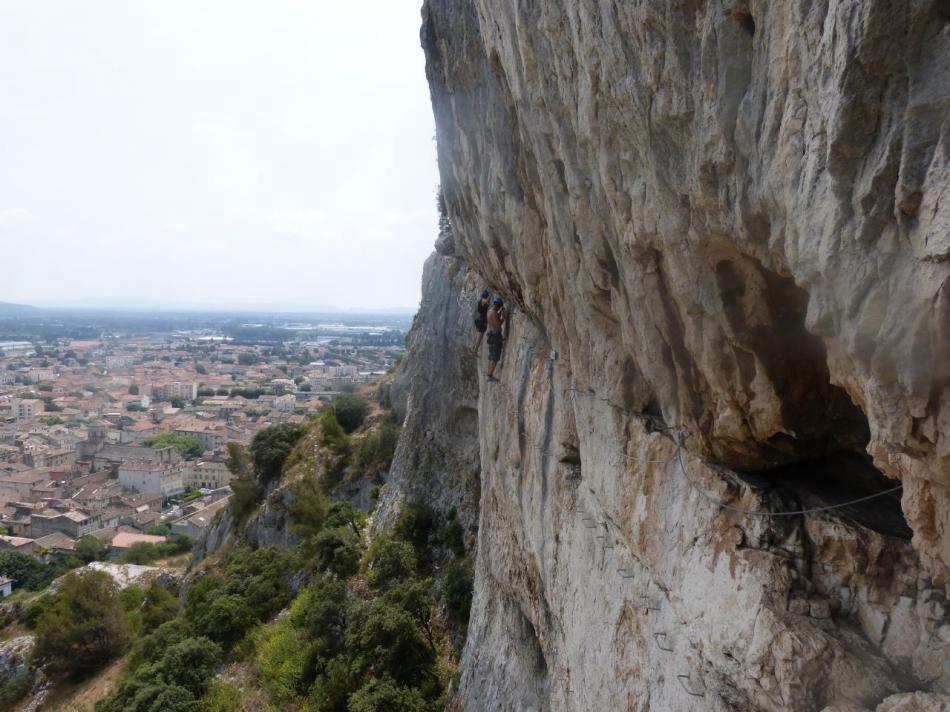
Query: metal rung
[
  {"x": 606, "y": 544},
  {"x": 649, "y": 604},
  {"x": 656, "y": 637},
  {"x": 625, "y": 574},
  {"x": 686, "y": 689}
]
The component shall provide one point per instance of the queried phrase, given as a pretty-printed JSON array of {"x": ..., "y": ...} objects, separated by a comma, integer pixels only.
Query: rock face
[
  {"x": 732, "y": 214},
  {"x": 437, "y": 457},
  {"x": 724, "y": 227}
]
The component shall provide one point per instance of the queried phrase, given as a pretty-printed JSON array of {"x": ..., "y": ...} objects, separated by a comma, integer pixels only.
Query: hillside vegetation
[{"x": 335, "y": 622}]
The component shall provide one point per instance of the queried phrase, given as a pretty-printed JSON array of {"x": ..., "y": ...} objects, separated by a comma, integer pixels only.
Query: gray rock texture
[
  {"x": 732, "y": 213},
  {"x": 436, "y": 460},
  {"x": 724, "y": 227}
]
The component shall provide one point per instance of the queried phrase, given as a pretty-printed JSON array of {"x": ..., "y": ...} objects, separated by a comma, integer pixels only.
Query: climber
[
  {"x": 481, "y": 318},
  {"x": 496, "y": 320}
]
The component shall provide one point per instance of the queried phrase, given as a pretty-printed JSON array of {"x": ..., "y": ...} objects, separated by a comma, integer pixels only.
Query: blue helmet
[
  {"x": 485, "y": 294},
  {"x": 498, "y": 301}
]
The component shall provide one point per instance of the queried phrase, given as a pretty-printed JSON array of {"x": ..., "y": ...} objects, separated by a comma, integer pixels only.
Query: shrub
[
  {"x": 452, "y": 535},
  {"x": 89, "y": 549},
  {"x": 15, "y": 688},
  {"x": 350, "y": 411},
  {"x": 270, "y": 447},
  {"x": 416, "y": 524},
  {"x": 283, "y": 660},
  {"x": 159, "y": 606},
  {"x": 384, "y": 695},
  {"x": 334, "y": 684},
  {"x": 375, "y": 451},
  {"x": 221, "y": 696},
  {"x": 415, "y": 598},
  {"x": 82, "y": 628},
  {"x": 344, "y": 514},
  {"x": 391, "y": 562},
  {"x": 163, "y": 637},
  {"x": 307, "y": 508},
  {"x": 457, "y": 592},
  {"x": 245, "y": 494},
  {"x": 335, "y": 442},
  {"x": 30, "y": 573},
  {"x": 188, "y": 445},
  {"x": 176, "y": 544},
  {"x": 225, "y": 620},
  {"x": 142, "y": 552},
  {"x": 338, "y": 551},
  {"x": 334, "y": 438},
  {"x": 189, "y": 664},
  {"x": 387, "y": 641}
]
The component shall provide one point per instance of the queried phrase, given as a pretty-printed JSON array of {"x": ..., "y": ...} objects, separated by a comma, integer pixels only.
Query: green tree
[
  {"x": 452, "y": 535},
  {"x": 338, "y": 551},
  {"x": 415, "y": 597},
  {"x": 89, "y": 549},
  {"x": 384, "y": 695},
  {"x": 189, "y": 446},
  {"x": 177, "y": 402},
  {"x": 159, "y": 606},
  {"x": 321, "y": 611},
  {"x": 189, "y": 664},
  {"x": 24, "y": 569},
  {"x": 237, "y": 461},
  {"x": 387, "y": 641},
  {"x": 344, "y": 514},
  {"x": 350, "y": 411},
  {"x": 245, "y": 494},
  {"x": 457, "y": 592},
  {"x": 270, "y": 447},
  {"x": 376, "y": 449},
  {"x": 133, "y": 390},
  {"x": 200, "y": 369},
  {"x": 225, "y": 620},
  {"x": 307, "y": 508},
  {"x": 391, "y": 562},
  {"x": 15, "y": 688},
  {"x": 175, "y": 544},
  {"x": 416, "y": 524},
  {"x": 83, "y": 628},
  {"x": 142, "y": 552}
]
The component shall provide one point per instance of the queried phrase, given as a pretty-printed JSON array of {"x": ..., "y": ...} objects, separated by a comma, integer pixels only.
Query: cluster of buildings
[
  {"x": 89, "y": 429},
  {"x": 115, "y": 493}
]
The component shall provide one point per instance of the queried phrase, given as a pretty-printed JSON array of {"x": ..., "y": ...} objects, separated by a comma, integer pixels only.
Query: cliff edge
[{"x": 724, "y": 230}]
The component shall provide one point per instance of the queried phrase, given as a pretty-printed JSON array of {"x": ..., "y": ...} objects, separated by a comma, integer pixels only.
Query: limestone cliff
[
  {"x": 724, "y": 227},
  {"x": 436, "y": 460}
]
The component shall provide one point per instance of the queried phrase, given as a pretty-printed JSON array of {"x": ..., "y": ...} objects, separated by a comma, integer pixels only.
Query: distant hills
[
  {"x": 7, "y": 308},
  {"x": 142, "y": 305}
]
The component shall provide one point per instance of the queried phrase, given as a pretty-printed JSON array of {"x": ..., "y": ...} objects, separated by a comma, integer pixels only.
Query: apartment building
[
  {"x": 206, "y": 475},
  {"x": 175, "y": 389},
  {"x": 157, "y": 478},
  {"x": 27, "y": 408}
]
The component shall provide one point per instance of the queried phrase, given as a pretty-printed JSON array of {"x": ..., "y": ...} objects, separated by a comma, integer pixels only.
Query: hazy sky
[{"x": 226, "y": 151}]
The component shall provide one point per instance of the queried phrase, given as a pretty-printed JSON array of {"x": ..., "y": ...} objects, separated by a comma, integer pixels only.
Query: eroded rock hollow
[{"x": 724, "y": 228}]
